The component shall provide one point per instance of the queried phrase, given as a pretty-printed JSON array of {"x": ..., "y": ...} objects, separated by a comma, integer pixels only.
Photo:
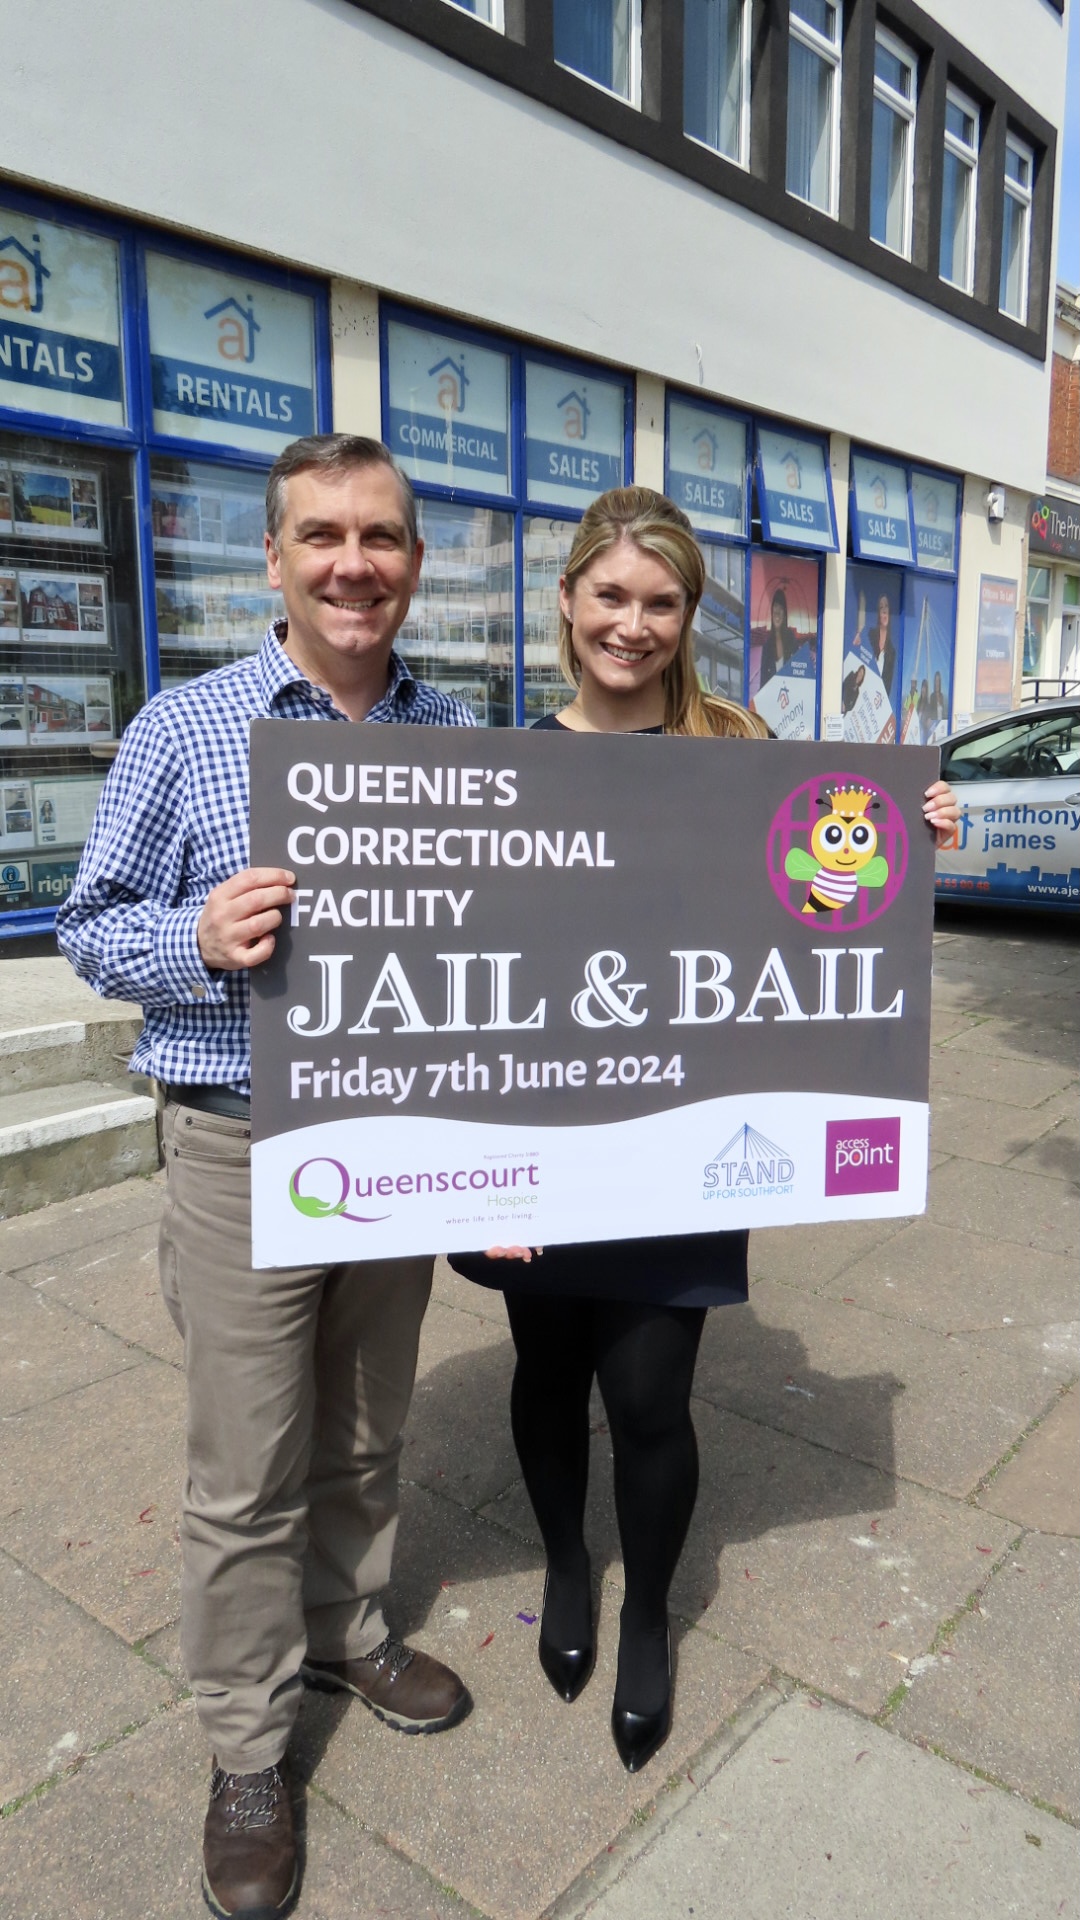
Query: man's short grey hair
[{"x": 333, "y": 453}]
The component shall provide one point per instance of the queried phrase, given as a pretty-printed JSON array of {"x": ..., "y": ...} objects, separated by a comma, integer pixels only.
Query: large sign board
[{"x": 542, "y": 989}]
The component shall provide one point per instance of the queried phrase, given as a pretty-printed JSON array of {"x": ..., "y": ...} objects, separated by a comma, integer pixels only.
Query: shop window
[
  {"x": 70, "y": 652},
  {"x": 547, "y": 544},
  {"x": 956, "y": 260},
  {"x": 720, "y": 621},
  {"x": 758, "y": 628},
  {"x": 899, "y": 617},
  {"x": 212, "y": 597},
  {"x": 716, "y": 76},
  {"x": 892, "y": 144},
  {"x": 490, "y": 11},
  {"x": 1036, "y": 619},
  {"x": 601, "y": 40},
  {"x": 813, "y": 106},
  {"x": 459, "y": 633},
  {"x": 1016, "y": 229},
  {"x": 785, "y": 636},
  {"x": 1069, "y": 651},
  {"x": 145, "y": 388},
  {"x": 506, "y": 449}
]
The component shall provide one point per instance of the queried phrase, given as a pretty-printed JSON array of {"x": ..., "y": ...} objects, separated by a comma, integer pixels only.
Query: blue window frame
[
  {"x": 773, "y": 664},
  {"x": 505, "y": 445},
  {"x": 146, "y": 519},
  {"x": 900, "y": 601}
]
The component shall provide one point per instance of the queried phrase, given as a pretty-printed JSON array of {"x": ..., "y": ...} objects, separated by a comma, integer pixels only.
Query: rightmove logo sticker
[{"x": 749, "y": 1167}]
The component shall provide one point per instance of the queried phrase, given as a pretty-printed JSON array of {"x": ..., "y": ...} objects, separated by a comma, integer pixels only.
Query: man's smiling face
[{"x": 346, "y": 570}]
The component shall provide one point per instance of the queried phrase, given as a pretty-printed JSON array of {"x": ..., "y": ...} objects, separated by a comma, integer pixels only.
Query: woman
[
  {"x": 779, "y": 643},
  {"x": 630, "y": 1313}
]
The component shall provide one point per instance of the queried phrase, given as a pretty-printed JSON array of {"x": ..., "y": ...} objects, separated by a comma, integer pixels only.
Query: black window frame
[{"x": 521, "y": 57}]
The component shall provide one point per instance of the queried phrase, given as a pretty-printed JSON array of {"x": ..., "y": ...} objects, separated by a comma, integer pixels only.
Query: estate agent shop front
[{"x": 146, "y": 385}]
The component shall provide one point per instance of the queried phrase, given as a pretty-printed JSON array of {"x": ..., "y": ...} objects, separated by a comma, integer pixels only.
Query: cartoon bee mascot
[{"x": 843, "y": 852}]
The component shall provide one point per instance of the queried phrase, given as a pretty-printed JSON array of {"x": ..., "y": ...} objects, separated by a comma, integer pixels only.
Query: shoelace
[
  {"x": 392, "y": 1653},
  {"x": 254, "y": 1804}
]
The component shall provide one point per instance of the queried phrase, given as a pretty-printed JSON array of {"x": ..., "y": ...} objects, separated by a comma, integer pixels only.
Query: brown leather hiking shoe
[
  {"x": 250, "y": 1867},
  {"x": 408, "y": 1689}
]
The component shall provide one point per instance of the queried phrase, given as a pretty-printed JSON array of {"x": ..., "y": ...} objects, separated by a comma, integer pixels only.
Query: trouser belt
[{"x": 234, "y": 1106}]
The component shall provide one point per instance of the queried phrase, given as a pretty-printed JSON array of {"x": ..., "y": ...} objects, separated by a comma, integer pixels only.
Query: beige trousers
[{"x": 299, "y": 1382}]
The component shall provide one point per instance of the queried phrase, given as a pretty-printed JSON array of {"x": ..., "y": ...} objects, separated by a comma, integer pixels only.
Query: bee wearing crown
[{"x": 843, "y": 852}]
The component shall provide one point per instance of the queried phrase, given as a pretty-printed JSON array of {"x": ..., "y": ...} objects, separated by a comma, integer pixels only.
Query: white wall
[{"x": 306, "y": 130}]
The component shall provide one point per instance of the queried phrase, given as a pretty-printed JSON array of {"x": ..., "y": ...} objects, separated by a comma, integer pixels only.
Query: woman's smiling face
[{"x": 626, "y": 612}]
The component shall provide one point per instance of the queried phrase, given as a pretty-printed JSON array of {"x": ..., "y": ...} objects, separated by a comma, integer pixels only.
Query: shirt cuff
[{"x": 179, "y": 965}]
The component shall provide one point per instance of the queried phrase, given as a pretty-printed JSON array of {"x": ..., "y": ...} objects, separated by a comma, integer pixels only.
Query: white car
[{"x": 1018, "y": 782}]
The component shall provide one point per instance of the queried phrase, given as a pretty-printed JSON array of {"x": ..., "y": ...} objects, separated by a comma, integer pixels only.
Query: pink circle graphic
[{"x": 798, "y": 878}]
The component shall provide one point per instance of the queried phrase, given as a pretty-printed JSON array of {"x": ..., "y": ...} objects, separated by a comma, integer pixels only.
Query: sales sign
[
  {"x": 880, "y": 521},
  {"x": 793, "y": 490},
  {"x": 448, "y": 417},
  {"x": 575, "y": 430},
  {"x": 544, "y": 990},
  {"x": 232, "y": 360},
  {"x": 706, "y": 474},
  {"x": 59, "y": 321},
  {"x": 933, "y": 502}
]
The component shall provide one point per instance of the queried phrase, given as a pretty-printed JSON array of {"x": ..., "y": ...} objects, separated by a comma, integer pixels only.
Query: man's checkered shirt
[{"x": 171, "y": 824}]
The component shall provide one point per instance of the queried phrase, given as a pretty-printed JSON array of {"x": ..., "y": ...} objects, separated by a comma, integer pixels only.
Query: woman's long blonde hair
[{"x": 655, "y": 524}]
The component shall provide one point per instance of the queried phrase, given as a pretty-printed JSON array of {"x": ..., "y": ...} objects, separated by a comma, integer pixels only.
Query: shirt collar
[{"x": 275, "y": 673}]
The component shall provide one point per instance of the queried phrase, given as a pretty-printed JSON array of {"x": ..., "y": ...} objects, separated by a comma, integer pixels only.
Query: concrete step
[
  {"x": 65, "y": 1051},
  {"x": 57, "y": 1141}
]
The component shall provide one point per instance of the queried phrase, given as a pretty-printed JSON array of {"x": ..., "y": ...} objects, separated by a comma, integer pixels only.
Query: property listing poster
[
  {"x": 872, "y": 644},
  {"x": 929, "y": 627},
  {"x": 536, "y": 989},
  {"x": 994, "y": 646},
  {"x": 784, "y": 600}
]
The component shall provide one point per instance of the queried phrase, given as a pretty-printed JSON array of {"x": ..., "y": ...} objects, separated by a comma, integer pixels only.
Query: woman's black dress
[{"x": 672, "y": 1270}]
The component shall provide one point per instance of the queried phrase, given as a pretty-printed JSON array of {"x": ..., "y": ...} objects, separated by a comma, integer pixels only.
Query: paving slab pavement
[{"x": 874, "y": 1615}]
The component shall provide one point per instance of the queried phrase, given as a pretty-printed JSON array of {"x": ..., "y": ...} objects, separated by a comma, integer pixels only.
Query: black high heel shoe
[
  {"x": 569, "y": 1669},
  {"x": 638, "y": 1736}
]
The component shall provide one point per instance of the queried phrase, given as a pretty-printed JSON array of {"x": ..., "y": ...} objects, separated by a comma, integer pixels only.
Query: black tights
[{"x": 643, "y": 1358}]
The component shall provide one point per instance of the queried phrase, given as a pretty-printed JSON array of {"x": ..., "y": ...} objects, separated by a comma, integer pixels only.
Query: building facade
[
  {"x": 1052, "y": 605},
  {"x": 788, "y": 260}
]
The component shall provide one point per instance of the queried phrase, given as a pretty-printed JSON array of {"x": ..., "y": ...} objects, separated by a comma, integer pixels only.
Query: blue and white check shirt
[{"x": 172, "y": 823}]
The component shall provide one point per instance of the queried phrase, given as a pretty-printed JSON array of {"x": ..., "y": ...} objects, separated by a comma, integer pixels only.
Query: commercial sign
[
  {"x": 794, "y": 491},
  {"x": 575, "y": 435},
  {"x": 448, "y": 417},
  {"x": 880, "y": 519},
  {"x": 232, "y": 360},
  {"x": 59, "y": 321},
  {"x": 543, "y": 990},
  {"x": 706, "y": 471},
  {"x": 933, "y": 505},
  {"x": 1054, "y": 528},
  {"x": 995, "y": 644}
]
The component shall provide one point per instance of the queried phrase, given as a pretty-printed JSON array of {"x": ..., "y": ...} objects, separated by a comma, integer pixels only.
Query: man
[{"x": 298, "y": 1379}]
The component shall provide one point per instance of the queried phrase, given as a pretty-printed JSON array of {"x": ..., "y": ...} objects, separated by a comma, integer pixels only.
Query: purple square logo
[{"x": 862, "y": 1156}]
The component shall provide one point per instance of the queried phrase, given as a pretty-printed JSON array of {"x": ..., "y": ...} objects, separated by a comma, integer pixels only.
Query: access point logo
[{"x": 862, "y": 1156}]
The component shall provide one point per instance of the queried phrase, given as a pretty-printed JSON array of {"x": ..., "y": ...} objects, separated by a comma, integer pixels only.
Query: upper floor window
[
  {"x": 892, "y": 143},
  {"x": 956, "y": 259},
  {"x": 489, "y": 10},
  {"x": 813, "y": 108},
  {"x": 601, "y": 40},
  {"x": 716, "y": 75},
  {"x": 1016, "y": 229}
]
